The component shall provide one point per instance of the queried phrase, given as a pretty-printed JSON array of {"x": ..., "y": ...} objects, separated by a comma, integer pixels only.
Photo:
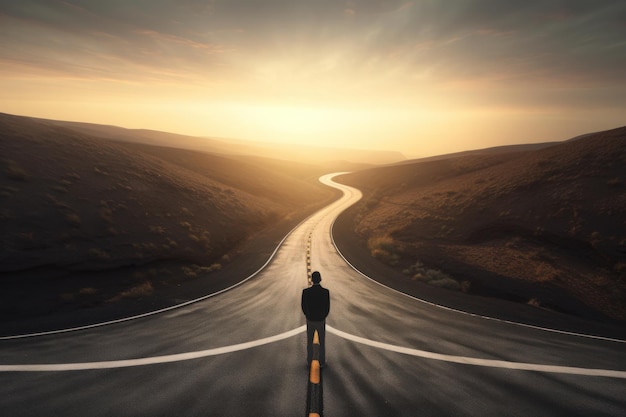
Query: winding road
[{"x": 242, "y": 353}]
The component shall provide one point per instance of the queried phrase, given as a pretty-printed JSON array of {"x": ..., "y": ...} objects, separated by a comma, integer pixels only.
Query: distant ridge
[
  {"x": 302, "y": 153},
  {"x": 486, "y": 151}
]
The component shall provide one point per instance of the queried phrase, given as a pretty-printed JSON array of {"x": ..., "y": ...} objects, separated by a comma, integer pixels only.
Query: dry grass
[
  {"x": 419, "y": 272},
  {"x": 145, "y": 289},
  {"x": 194, "y": 271},
  {"x": 72, "y": 219},
  {"x": 384, "y": 248},
  {"x": 74, "y": 202},
  {"x": 551, "y": 216}
]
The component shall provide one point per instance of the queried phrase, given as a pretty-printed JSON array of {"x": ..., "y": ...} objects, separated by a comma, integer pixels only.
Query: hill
[
  {"x": 544, "y": 227},
  {"x": 88, "y": 221},
  {"x": 304, "y": 154}
]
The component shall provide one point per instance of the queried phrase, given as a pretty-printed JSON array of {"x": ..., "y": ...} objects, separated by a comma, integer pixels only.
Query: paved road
[{"x": 242, "y": 353}]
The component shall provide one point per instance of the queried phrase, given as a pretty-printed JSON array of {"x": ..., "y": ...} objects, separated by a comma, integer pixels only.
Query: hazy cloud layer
[
  {"x": 569, "y": 41},
  {"x": 490, "y": 53}
]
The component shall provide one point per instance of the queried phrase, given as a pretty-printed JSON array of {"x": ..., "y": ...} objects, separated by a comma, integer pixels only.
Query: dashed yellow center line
[
  {"x": 314, "y": 374},
  {"x": 309, "y": 270},
  {"x": 314, "y": 400}
]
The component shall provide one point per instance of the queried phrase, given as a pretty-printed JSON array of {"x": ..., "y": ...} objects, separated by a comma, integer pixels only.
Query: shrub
[
  {"x": 73, "y": 219},
  {"x": 87, "y": 291},
  {"x": 447, "y": 283},
  {"x": 544, "y": 272},
  {"x": 385, "y": 249},
  {"x": 142, "y": 290},
  {"x": 159, "y": 230},
  {"x": 15, "y": 172},
  {"x": 106, "y": 214},
  {"x": 101, "y": 171},
  {"x": 193, "y": 270},
  {"x": 595, "y": 239},
  {"x": 434, "y": 277},
  {"x": 189, "y": 272},
  {"x": 214, "y": 267}
]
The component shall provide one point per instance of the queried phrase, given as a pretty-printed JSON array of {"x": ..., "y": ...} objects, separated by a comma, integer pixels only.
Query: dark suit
[{"x": 315, "y": 306}]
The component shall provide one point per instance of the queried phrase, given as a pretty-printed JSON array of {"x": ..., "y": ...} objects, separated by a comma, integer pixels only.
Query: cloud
[
  {"x": 85, "y": 39},
  {"x": 416, "y": 45}
]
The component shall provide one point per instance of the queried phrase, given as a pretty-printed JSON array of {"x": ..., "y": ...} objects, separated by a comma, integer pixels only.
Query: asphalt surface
[{"x": 242, "y": 353}]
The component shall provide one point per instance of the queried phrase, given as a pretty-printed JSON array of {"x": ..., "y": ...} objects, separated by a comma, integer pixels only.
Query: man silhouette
[{"x": 315, "y": 306}]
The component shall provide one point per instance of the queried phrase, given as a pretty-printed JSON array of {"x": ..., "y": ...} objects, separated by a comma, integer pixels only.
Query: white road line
[
  {"x": 149, "y": 361},
  {"x": 163, "y": 310},
  {"x": 481, "y": 362},
  {"x": 83, "y": 366}
]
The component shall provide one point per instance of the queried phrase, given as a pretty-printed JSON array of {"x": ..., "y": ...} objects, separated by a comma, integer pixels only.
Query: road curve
[{"x": 242, "y": 353}]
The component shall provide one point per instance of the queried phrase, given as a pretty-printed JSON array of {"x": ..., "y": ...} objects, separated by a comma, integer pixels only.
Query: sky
[{"x": 422, "y": 77}]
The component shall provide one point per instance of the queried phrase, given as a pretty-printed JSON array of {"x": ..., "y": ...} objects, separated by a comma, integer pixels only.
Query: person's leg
[
  {"x": 321, "y": 331},
  {"x": 310, "y": 331}
]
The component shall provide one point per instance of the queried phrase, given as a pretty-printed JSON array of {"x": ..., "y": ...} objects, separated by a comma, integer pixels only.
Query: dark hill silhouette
[
  {"x": 88, "y": 221},
  {"x": 544, "y": 226}
]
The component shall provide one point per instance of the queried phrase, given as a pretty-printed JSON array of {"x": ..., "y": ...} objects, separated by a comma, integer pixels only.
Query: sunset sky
[{"x": 422, "y": 77}]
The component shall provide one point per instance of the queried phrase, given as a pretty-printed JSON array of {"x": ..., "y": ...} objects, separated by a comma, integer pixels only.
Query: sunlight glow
[
  {"x": 297, "y": 120},
  {"x": 420, "y": 78}
]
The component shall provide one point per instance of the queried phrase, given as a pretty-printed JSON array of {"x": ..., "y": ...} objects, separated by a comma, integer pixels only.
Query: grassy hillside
[
  {"x": 545, "y": 227},
  {"x": 87, "y": 221}
]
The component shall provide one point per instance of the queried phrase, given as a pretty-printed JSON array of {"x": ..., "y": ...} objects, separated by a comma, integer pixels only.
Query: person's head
[{"x": 316, "y": 277}]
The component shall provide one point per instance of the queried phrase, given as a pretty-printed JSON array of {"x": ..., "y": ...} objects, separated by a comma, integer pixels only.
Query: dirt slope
[
  {"x": 87, "y": 221},
  {"x": 546, "y": 227}
]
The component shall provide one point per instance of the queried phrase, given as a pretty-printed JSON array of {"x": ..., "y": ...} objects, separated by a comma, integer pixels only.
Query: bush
[
  {"x": 193, "y": 270},
  {"x": 87, "y": 291},
  {"x": 15, "y": 172},
  {"x": 385, "y": 249},
  {"x": 73, "y": 219},
  {"x": 447, "y": 283},
  {"x": 434, "y": 277},
  {"x": 142, "y": 290}
]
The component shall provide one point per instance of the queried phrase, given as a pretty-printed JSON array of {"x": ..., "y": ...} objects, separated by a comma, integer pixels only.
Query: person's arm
[
  {"x": 303, "y": 304},
  {"x": 327, "y": 310}
]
